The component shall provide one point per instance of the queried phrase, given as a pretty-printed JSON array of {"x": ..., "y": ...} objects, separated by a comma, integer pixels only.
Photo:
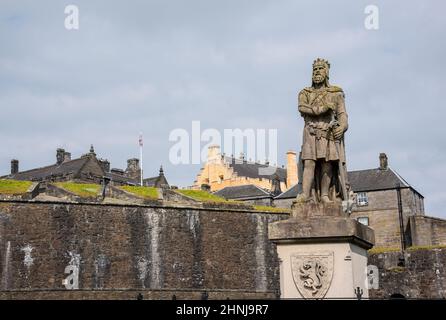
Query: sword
[{"x": 342, "y": 179}]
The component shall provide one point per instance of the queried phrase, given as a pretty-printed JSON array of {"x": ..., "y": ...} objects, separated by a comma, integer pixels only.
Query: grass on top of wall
[
  {"x": 272, "y": 209},
  {"x": 145, "y": 192},
  {"x": 376, "y": 250},
  {"x": 201, "y": 195},
  {"x": 426, "y": 247},
  {"x": 14, "y": 186},
  {"x": 80, "y": 189}
]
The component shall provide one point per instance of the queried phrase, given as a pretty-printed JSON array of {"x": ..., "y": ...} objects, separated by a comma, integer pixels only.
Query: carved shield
[{"x": 312, "y": 273}]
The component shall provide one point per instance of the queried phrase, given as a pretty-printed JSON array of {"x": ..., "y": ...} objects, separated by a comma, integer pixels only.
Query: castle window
[
  {"x": 363, "y": 220},
  {"x": 362, "y": 199},
  {"x": 220, "y": 179}
]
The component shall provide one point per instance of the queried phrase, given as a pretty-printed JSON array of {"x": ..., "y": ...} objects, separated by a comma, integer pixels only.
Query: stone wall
[
  {"x": 283, "y": 203},
  {"x": 422, "y": 276},
  {"x": 259, "y": 202},
  {"x": 427, "y": 231},
  {"x": 139, "y": 247}
]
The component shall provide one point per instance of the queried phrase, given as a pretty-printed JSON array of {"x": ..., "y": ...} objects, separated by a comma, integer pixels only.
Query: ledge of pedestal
[
  {"x": 321, "y": 229},
  {"x": 312, "y": 210}
]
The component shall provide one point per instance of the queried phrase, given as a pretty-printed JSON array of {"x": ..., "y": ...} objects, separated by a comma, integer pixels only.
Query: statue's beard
[{"x": 318, "y": 78}]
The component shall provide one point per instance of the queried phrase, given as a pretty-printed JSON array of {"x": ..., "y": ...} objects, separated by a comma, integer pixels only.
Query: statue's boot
[
  {"x": 325, "y": 199},
  {"x": 301, "y": 198}
]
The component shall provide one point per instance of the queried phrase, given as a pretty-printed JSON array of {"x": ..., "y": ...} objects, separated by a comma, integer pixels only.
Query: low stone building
[
  {"x": 88, "y": 168},
  {"x": 159, "y": 181}
]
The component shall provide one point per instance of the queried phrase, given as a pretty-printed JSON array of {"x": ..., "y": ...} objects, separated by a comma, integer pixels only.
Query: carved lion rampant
[{"x": 312, "y": 273}]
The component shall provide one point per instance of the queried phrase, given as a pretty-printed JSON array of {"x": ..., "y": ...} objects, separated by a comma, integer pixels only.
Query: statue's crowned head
[{"x": 321, "y": 70}]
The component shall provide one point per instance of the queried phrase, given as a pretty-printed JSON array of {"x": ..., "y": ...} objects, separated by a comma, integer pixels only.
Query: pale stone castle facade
[{"x": 221, "y": 171}]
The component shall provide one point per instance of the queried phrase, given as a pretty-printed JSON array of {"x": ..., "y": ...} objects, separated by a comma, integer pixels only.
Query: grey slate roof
[
  {"x": 252, "y": 170},
  {"x": 362, "y": 181},
  {"x": 157, "y": 181},
  {"x": 291, "y": 192},
  {"x": 73, "y": 166},
  {"x": 243, "y": 192},
  {"x": 120, "y": 178},
  {"x": 375, "y": 179}
]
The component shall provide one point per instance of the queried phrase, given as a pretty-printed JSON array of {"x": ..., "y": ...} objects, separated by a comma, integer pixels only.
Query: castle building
[
  {"x": 87, "y": 168},
  {"x": 221, "y": 171}
]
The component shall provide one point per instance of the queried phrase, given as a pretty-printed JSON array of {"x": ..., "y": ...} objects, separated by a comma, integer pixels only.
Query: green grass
[
  {"x": 145, "y": 192},
  {"x": 377, "y": 250},
  {"x": 201, "y": 195},
  {"x": 80, "y": 189},
  {"x": 14, "y": 186},
  {"x": 426, "y": 247},
  {"x": 271, "y": 209}
]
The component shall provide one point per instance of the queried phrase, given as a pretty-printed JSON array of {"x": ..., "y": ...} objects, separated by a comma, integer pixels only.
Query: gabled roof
[
  {"x": 291, "y": 192},
  {"x": 375, "y": 179},
  {"x": 72, "y": 166},
  {"x": 249, "y": 191},
  {"x": 254, "y": 170},
  {"x": 157, "y": 181}
]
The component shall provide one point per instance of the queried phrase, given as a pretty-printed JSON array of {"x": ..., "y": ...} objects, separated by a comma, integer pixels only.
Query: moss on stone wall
[
  {"x": 377, "y": 250},
  {"x": 271, "y": 209},
  {"x": 426, "y": 247}
]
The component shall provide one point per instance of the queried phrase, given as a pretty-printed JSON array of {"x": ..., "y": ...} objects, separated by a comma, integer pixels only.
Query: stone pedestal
[{"x": 323, "y": 252}]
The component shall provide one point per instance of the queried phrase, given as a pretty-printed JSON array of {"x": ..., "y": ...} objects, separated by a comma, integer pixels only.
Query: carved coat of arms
[{"x": 312, "y": 273}]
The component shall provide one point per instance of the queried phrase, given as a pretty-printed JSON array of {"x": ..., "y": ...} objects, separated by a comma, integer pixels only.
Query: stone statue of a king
[{"x": 323, "y": 151}]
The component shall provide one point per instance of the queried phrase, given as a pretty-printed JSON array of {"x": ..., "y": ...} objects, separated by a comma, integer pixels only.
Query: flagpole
[{"x": 140, "y": 155}]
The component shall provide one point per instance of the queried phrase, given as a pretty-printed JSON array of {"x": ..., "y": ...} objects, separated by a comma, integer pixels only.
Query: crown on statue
[{"x": 322, "y": 62}]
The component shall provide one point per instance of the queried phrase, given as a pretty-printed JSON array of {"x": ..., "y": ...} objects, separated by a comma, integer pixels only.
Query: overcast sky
[{"x": 154, "y": 66}]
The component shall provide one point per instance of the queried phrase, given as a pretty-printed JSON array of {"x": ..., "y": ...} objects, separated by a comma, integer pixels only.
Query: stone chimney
[
  {"x": 67, "y": 156},
  {"x": 291, "y": 169},
  {"x": 242, "y": 157},
  {"x": 133, "y": 170},
  {"x": 14, "y": 166},
  {"x": 105, "y": 164},
  {"x": 383, "y": 163},
  {"x": 275, "y": 188},
  {"x": 214, "y": 153},
  {"x": 60, "y": 155}
]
